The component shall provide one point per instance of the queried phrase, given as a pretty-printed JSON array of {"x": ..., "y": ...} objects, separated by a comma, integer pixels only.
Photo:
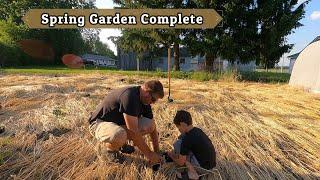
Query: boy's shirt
[{"x": 201, "y": 146}]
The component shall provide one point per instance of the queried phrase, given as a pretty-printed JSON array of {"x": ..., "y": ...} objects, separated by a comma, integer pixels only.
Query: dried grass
[{"x": 260, "y": 131}]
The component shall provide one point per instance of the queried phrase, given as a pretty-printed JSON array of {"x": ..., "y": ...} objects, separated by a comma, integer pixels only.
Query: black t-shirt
[
  {"x": 197, "y": 142},
  {"x": 119, "y": 101}
]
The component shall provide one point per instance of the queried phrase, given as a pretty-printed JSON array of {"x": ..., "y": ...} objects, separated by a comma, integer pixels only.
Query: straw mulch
[{"x": 260, "y": 131}]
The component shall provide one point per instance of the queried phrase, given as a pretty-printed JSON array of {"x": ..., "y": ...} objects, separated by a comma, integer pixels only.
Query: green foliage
[
  {"x": 103, "y": 49},
  {"x": 14, "y": 10},
  {"x": 228, "y": 76},
  {"x": 137, "y": 40},
  {"x": 9, "y": 35},
  {"x": 277, "y": 19},
  {"x": 266, "y": 77},
  {"x": 4, "y": 141},
  {"x": 4, "y": 155},
  {"x": 202, "y": 76},
  {"x": 252, "y": 29},
  {"x": 63, "y": 41},
  {"x": 94, "y": 45},
  {"x": 140, "y": 41},
  {"x": 229, "y": 41},
  {"x": 146, "y": 40},
  {"x": 58, "y": 112},
  {"x": 4, "y": 152}
]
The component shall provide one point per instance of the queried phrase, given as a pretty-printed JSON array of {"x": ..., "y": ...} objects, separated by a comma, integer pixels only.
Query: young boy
[{"x": 193, "y": 147}]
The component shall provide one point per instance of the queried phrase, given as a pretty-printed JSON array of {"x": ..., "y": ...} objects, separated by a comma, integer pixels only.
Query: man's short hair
[
  {"x": 155, "y": 87},
  {"x": 182, "y": 116}
]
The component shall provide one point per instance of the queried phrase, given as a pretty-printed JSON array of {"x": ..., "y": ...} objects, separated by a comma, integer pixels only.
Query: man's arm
[
  {"x": 147, "y": 112},
  {"x": 135, "y": 135},
  {"x": 155, "y": 140}
]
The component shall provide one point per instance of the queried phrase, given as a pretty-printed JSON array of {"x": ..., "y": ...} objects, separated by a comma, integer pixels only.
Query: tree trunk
[
  {"x": 138, "y": 65},
  {"x": 150, "y": 68},
  {"x": 176, "y": 56},
  {"x": 266, "y": 65},
  {"x": 209, "y": 62}
]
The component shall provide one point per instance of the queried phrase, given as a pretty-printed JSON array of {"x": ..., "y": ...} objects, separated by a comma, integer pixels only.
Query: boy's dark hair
[{"x": 182, "y": 116}]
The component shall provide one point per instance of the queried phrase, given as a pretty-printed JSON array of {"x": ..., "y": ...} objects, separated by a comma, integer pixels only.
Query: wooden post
[{"x": 169, "y": 61}]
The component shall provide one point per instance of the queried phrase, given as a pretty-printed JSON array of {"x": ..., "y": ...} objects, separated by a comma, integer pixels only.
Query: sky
[
  {"x": 107, "y": 32},
  {"x": 300, "y": 38}
]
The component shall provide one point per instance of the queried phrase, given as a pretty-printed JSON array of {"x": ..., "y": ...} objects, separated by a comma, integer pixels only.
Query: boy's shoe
[
  {"x": 127, "y": 149},
  {"x": 109, "y": 156},
  {"x": 186, "y": 175},
  {"x": 182, "y": 176}
]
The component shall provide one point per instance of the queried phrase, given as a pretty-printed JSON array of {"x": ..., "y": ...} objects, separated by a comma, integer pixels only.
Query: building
[
  {"x": 237, "y": 65},
  {"x": 306, "y": 69},
  {"x": 128, "y": 61},
  {"x": 187, "y": 62},
  {"x": 98, "y": 60},
  {"x": 294, "y": 57}
]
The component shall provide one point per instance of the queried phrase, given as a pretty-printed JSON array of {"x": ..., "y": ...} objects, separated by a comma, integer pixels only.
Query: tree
[
  {"x": 277, "y": 19},
  {"x": 103, "y": 49},
  {"x": 139, "y": 41},
  {"x": 252, "y": 30},
  {"x": 229, "y": 41},
  {"x": 63, "y": 40},
  {"x": 165, "y": 37},
  {"x": 10, "y": 54},
  {"x": 239, "y": 23}
]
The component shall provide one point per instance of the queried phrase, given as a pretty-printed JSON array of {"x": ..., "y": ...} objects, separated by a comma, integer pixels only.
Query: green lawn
[
  {"x": 266, "y": 77},
  {"x": 275, "y": 70}
]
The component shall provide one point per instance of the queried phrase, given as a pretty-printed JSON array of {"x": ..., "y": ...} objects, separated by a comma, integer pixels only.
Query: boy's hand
[
  {"x": 173, "y": 155},
  {"x": 177, "y": 158}
]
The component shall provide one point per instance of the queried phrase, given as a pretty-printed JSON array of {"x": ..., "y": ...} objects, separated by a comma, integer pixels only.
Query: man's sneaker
[
  {"x": 156, "y": 167},
  {"x": 127, "y": 149},
  {"x": 109, "y": 156},
  {"x": 114, "y": 156}
]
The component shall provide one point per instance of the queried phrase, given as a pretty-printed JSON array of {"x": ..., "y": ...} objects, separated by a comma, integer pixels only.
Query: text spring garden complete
[{"x": 117, "y": 19}]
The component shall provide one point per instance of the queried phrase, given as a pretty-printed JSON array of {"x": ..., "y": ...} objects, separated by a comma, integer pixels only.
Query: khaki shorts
[{"x": 109, "y": 132}]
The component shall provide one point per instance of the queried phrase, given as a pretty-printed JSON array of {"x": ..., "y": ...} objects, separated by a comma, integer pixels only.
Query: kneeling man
[{"x": 126, "y": 114}]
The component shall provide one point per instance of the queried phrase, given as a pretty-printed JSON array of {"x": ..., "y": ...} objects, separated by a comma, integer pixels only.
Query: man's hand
[
  {"x": 154, "y": 158},
  {"x": 134, "y": 135}
]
